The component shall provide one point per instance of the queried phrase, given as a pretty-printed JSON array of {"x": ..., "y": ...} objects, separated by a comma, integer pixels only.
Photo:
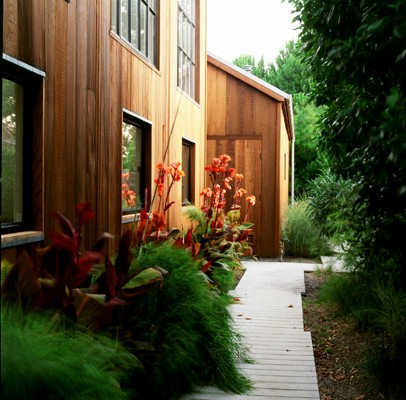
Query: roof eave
[{"x": 261, "y": 85}]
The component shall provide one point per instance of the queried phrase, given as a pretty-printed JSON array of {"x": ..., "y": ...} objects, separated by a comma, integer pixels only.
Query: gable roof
[{"x": 261, "y": 85}]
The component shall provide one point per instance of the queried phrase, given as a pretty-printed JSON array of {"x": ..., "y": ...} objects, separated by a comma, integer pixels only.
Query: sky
[{"x": 250, "y": 27}]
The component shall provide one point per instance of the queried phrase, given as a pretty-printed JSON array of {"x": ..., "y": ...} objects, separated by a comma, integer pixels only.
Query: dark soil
[{"x": 339, "y": 349}]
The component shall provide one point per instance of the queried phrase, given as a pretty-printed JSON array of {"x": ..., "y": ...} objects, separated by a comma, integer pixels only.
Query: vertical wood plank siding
[
  {"x": 248, "y": 124},
  {"x": 91, "y": 76}
]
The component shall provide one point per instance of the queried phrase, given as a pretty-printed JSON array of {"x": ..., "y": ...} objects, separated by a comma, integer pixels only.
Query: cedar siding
[
  {"x": 92, "y": 75},
  {"x": 252, "y": 122}
]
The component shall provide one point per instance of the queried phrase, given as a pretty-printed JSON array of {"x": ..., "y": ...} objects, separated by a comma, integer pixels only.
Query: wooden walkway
[{"x": 269, "y": 315}]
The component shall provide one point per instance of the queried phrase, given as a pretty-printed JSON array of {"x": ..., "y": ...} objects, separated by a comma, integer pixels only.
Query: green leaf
[
  {"x": 392, "y": 99},
  {"x": 223, "y": 265},
  {"x": 400, "y": 30},
  {"x": 401, "y": 56},
  {"x": 245, "y": 226},
  {"x": 376, "y": 25},
  {"x": 146, "y": 277}
]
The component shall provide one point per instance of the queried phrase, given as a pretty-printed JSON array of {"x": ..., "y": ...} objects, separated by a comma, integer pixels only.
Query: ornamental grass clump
[
  {"x": 40, "y": 360},
  {"x": 189, "y": 328},
  {"x": 302, "y": 236}
]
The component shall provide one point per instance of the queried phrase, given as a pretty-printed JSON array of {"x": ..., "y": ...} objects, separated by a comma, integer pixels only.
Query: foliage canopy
[{"x": 357, "y": 55}]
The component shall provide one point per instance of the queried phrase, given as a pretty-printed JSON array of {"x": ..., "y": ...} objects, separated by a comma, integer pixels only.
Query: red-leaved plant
[
  {"x": 152, "y": 225},
  {"x": 52, "y": 282}
]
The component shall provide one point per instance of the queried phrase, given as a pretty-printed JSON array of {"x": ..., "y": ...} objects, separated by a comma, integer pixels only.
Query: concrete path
[
  {"x": 335, "y": 263},
  {"x": 269, "y": 315}
]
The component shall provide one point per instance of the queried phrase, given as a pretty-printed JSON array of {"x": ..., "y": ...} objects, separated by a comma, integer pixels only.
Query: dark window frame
[
  {"x": 151, "y": 7},
  {"x": 31, "y": 79},
  {"x": 187, "y": 55},
  {"x": 145, "y": 173},
  {"x": 189, "y": 171}
]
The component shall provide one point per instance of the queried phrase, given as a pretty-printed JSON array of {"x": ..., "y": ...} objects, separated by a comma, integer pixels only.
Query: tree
[
  {"x": 258, "y": 69},
  {"x": 308, "y": 156},
  {"x": 357, "y": 55},
  {"x": 290, "y": 73}
]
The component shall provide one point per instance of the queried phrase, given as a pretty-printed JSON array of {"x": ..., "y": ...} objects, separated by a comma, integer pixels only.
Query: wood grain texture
[
  {"x": 10, "y": 33},
  {"x": 248, "y": 124},
  {"x": 91, "y": 76}
]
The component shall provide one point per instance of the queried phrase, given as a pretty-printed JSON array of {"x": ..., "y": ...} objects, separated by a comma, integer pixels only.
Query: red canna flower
[
  {"x": 239, "y": 178},
  {"x": 227, "y": 183},
  {"x": 160, "y": 189},
  {"x": 216, "y": 163},
  {"x": 206, "y": 192},
  {"x": 239, "y": 194},
  {"x": 251, "y": 200},
  {"x": 158, "y": 220},
  {"x": 178, "y": 175},
  {"x": 231, "y": 172},
  {"x": 225, "y": 158},
  {"x": 175, "y": 165}
]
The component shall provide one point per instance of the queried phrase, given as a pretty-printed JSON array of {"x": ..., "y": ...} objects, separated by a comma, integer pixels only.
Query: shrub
[
  {"x": 345, "y": 294},
  {"x": 330, "y": 199},
  {"x": 190, "y": 329},
  {"x": 377, "y": 308},
  {"x": 5, "y": 268},
  {"x": 386, "y": 365},
  {"x": 301, "y": 234},
  {"x": 387, "y": 374}
]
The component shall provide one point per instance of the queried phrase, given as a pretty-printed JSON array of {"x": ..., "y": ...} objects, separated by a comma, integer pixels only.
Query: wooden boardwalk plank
[{"x": 268, "y": 314}]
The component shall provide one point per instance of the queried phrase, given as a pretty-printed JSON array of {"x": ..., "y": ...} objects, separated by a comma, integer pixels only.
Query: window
[
  {"x": 135, "y": 21},
  {"x": 187, "y": 47},
  {"x": 135, "y": 156},
  {"x": 12, "y": 153},
  {"x": 188, "y": 167},
  {"x": 21, "y": 169}
]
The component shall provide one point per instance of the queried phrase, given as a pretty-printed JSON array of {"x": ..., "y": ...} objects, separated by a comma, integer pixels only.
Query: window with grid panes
[
  {"x": 187, "y": 47},
  {"x": 135, "y": 21}
]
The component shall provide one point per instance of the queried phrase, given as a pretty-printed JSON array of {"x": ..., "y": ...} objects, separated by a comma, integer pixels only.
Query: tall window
[
  {"x": 135, "y": 171},
  {"x": 188, "y": 167},
  {"x": 135, "y": 21},
  {"x": 21, "y": 144},
  {"x": 12, "y": 153},
  {"x": 187, "y": 47}
]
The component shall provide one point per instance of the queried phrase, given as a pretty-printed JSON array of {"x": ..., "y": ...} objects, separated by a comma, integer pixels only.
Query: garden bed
[{"x": 339, "y": 349}]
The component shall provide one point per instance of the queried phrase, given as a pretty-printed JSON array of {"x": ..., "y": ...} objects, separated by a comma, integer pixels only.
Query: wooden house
[
  {"x": 252, "y": 121},
  {"x": 98, "y": 92}
]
